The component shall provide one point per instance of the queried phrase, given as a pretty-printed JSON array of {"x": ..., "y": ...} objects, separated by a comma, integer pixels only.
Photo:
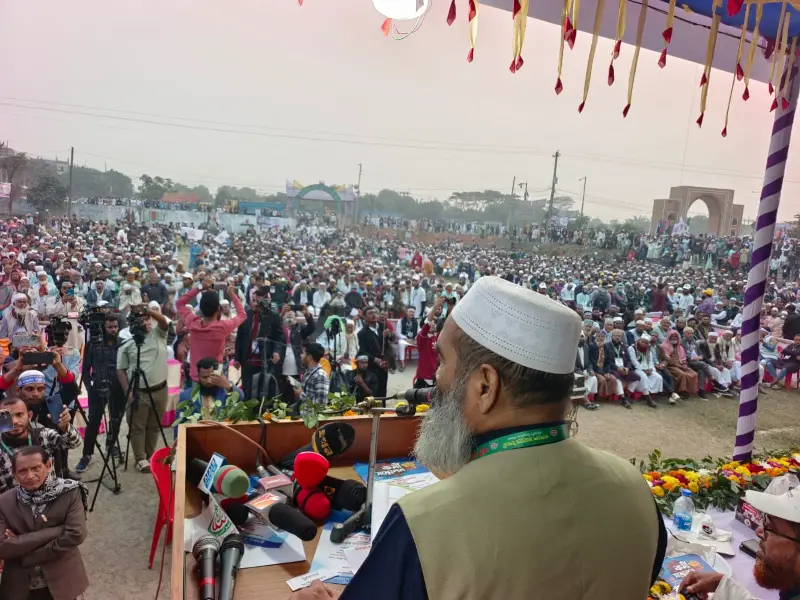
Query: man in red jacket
[{"x": 426, "y": 348}]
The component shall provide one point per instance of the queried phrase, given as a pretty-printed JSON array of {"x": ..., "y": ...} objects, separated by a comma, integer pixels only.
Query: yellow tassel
[
  {"x": 712, "y": 44},
  {"x": 576, "y": 9},
  {"x": 739, "y": 53},
  {"x": 520, "y": 25},
  {"x": 790, "y": 69},
  {"x": 751, "y": 53},
  {"x": 634, "y": 63},
  {"x": 564, "y": 12},
  {"x": 474, "y": 9},
  {"x": 598, "y": 21},
  {"x": 687, "y": 9},
  {"x": 782, "y": 60},
  {"x": 775, "y": 50}
]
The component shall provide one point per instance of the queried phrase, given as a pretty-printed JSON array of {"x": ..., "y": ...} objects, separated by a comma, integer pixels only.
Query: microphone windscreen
[
  {"x": 310, "y": 469},
  {"x": 231, "y": 481},
  {"x": 236, "y": 511},
  {"x": 195, "y": 470},
  {"x": 292, "y": 521},
  {"x": 314, "y": 503},
  {"x": 351, "y": 495},
  {"x": 332, "y": 439}
]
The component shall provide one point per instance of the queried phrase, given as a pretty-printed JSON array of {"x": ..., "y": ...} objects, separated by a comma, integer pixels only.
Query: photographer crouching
[
  {"x": 149, "y": 330},
  {"x": 99, "y": 375}
]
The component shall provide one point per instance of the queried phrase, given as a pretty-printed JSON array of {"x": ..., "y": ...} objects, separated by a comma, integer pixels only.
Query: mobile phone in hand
[
  {"x": 38, "y": 358},
  {"x": 293, "y": 381},
  {"x": 54, "y": 407},
  {"x": 750, "y": 547}
]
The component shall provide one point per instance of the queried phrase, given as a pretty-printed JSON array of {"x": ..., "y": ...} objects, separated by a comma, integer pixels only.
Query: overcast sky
[{"x": 286, "y": 78}]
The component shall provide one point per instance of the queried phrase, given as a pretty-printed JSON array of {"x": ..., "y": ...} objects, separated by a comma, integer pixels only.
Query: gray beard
[{"x": 445, "y": 443}]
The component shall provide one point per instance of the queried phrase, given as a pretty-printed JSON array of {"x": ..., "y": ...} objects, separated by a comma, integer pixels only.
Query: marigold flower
[
  {"x": 658, "y": 491},
  {"x": 693, "y": 487}
]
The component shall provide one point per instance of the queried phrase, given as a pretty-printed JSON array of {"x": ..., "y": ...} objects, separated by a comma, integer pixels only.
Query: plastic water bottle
[{"x": 683, "y": 511}]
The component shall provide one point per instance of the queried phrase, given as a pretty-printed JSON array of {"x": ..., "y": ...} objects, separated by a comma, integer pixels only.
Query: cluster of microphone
[
  {"x": 230, "y": 552},
  {"x": 293, "y": 497}
]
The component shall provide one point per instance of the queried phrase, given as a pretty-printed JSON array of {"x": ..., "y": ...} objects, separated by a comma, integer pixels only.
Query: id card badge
[
  {"x": 619, "y": 362},
  {"x": 255, "y": 348}
]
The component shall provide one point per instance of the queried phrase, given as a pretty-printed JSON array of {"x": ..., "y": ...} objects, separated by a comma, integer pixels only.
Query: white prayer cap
[
  {"x": 19, "y": 296},
  {"x": 644, "y": 338},
  {"x": 520, "y": 325}
]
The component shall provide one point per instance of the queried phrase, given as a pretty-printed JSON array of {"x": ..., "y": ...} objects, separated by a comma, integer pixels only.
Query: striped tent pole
[{"x": 759, "y": 267}]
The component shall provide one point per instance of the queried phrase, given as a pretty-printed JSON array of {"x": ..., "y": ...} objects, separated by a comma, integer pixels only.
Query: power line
[{"x": 348, "y": 138}]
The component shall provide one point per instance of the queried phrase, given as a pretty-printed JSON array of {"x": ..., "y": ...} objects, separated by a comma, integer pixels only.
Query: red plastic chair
[{"x": 166, "y": 505}]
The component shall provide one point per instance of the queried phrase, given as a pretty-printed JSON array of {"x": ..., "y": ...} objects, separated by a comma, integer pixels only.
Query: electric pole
[
  {"x": 553, "y": 189},
  {"x": 358, "y": 196},
  {"x": 71, "y": 161},
  {"x": 524, "y": 185},
  {"x": 583, "y": 197},
  {"x": 513, "y": 185}
]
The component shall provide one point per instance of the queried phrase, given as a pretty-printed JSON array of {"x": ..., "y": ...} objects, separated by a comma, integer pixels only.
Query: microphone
[
  {"x": 344, "y": 494},
  {"x": 205, "y": 553},
  {"x": 230, "y": 556},
  {"x": 272, "y": 509},
  {"x": 229, "y": 480},
  {"x": 330, "y": 440},
  {"x": 419, "y": 396},
  {"x": 237, "y": 512}
]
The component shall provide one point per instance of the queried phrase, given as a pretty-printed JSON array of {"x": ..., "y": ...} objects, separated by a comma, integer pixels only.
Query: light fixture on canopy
[{"x": 401, "y": 10}]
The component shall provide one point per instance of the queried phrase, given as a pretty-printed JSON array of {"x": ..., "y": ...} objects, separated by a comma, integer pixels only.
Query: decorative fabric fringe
[
  {"x": 622, "y": 14},
  {"x": 751, "y": 53},
  {"x": 710, "y": 48},
  {"x": 473, "y": 28},
  {"x": 776, "y": 47},
  {"x": 564, "y": 24},
  {"x": 739, "y": 72},
  {"x": 667, "y": 33},
  {"x": 520, "y": 16},
  {"x": 639, "y": 34},
  {"x": 782, "y": 58},
  {"x": 451, "y": 14},
  {"x": 598, "y": 21}
]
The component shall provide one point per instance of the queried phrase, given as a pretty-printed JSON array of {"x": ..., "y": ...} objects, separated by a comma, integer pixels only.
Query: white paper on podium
[{"x": 386, "y": 493}]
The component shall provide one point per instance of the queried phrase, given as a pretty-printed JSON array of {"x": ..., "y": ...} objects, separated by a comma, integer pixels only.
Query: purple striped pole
[{"x": 759, "y": 267}]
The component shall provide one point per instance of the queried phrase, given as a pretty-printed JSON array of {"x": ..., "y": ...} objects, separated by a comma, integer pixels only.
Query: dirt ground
[{"x": 120, "y": 528}]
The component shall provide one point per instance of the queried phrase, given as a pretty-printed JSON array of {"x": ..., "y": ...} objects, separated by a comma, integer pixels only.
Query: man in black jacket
[
  {"x": 372, "y": 343},
  {"x": 791, "y": 326},
  {"x": 362, "y": 382},
  {"x": 260, "y": 336}
]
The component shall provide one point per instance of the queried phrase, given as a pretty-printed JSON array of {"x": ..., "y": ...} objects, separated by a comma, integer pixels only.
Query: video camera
[
  {"x": 57, "y": 331},
  {"x": 93, "y": 320},
  {"x": 136, "y": 324}
]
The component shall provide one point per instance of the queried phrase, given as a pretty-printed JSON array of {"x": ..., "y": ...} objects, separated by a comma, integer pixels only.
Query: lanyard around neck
[{"x": 535, "y": 436}]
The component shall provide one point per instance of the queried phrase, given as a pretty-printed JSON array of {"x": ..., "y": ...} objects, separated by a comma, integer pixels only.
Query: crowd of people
[{"x": 303, "y": 312}]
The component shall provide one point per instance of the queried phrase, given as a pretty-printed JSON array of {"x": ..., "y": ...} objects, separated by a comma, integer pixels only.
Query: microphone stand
[{"x": 361, "y": 520}]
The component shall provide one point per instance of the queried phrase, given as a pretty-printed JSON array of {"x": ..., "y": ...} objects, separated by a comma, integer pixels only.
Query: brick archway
[{"x": 724, "y": 217}]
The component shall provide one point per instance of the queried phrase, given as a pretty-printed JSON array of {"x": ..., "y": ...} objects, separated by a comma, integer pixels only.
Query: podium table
[{"x": 397, "y": 435}]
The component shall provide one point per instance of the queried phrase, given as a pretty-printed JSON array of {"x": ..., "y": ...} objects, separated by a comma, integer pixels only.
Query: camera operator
[
  {"x": 57, "y": 335},
  {"x": 143, "y": 422},
  {"x": 66, "y": 305},
  {"x": 262, "y": 323},
  {"x": 208, "y": 332},
  {"x": 116, "y": 396},
  {"x": 31, "y": 424}
]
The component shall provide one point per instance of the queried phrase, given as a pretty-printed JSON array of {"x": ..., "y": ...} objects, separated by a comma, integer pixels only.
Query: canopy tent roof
[{"x": 689, "y": 41}]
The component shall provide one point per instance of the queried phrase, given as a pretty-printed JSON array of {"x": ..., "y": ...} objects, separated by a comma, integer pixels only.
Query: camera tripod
[
  {"x": 101, "y": 389},
  {"x": 133, "y": 394}
]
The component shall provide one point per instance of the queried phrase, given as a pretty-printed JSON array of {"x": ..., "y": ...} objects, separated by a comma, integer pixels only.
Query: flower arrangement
[{"x": 718, "y": 483}]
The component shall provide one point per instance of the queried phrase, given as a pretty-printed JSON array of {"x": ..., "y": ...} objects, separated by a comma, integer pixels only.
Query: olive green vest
[{"x": 555, "y": 522}]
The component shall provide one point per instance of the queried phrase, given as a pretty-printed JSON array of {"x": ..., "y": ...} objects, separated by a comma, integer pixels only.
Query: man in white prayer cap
[{"x": 522, "y": 510}]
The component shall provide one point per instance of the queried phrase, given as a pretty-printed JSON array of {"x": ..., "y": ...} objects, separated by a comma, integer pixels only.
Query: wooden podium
[{"x": 397, "y": 435}]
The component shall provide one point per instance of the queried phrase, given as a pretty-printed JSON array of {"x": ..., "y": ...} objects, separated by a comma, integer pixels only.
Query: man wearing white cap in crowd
[
  {"x": 523, "y": 511},
  {"x": 19, "y": 318},
  {"x": 778, "y": 561},
  {"x": 643, "y": 363},
  {"x": 129, "y": 296}
]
